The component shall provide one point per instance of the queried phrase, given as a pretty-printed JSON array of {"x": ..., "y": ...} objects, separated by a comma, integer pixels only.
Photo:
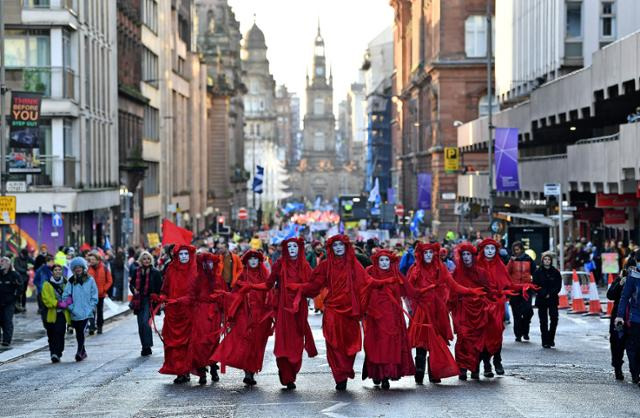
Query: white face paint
[
  {"x": 183, "y": 256},
  {"x": 253, "y": 262},
  {"x": 490, "y": 251},
  {"x": 384, "y": 262},
  {"x": 428, "y": 256},
  {"x": 293, "y": 249},
  {"x": 338, "y": 248},
  {"x": 467, "y": 258}
]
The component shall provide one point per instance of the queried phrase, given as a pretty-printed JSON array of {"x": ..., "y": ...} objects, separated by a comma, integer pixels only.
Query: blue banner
[
  {"x": 424, "y": 191},
  {"x": 506, "y": 160}
]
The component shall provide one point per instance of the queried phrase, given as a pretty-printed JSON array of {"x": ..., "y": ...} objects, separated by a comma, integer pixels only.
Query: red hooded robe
[
  {"x": 292, "y": 331},
  {"x": 176, "y": 330},
  {"x": 386, "y": 346}
]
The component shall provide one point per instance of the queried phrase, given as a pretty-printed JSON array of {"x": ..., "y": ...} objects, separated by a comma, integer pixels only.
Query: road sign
[
  {"x": 56, "y": 220},
  {"x": 451, "y": 159},
  {"x": 399, "y": 210},
  {"x": 7, "y": 210},
  {"x": 552, "y": 189},
  {"x": 243, "y": 214},
  {"x": 16, "y": 186}
]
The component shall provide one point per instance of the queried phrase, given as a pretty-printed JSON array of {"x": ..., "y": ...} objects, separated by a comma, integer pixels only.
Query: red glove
[{"x": 478, "y": 292}]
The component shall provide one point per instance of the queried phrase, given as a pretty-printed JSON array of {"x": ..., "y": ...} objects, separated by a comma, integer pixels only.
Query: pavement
[{"x": 572, "y": 380}]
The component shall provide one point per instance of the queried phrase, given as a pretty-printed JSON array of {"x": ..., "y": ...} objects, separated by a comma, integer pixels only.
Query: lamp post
[{"x": 492, "y": 193}]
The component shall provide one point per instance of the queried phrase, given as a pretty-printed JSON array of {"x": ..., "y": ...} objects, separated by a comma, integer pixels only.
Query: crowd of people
[{"x": 403, "y": 306}]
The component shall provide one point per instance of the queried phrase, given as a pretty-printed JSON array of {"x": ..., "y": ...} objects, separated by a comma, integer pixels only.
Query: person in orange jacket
[
  {"x": 231, "y": 265},
  {"x": 102, "y": 277}
]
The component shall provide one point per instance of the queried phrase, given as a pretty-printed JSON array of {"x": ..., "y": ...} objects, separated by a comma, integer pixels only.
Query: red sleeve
[
  {"x": 454, "y": 286},
  {"x": 275, "y": 275},
  {"x": 318, "y": 280},
  {"x": 109, "y": 280}
]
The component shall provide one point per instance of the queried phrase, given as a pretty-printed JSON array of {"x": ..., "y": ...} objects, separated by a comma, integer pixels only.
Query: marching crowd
[{"x": 403, "y": 307}]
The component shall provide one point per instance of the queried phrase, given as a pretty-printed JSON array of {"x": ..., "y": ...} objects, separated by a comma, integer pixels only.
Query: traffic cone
[
  {"x": 563, "y": 298},
  {"x": 609, "y": 302},
  {"x": 577, "y": 302},
  {"x": 595, "y": 307},
  {"x": 585, "y": 288}
]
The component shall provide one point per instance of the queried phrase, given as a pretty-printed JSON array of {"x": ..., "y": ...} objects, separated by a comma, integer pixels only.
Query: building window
[
  {"x": 573, "y": 36},
  {"x": 608, "y": 20},
  {"x": 151, "y": 124},
  {"x": 483, "y": 106},
  {"x": 67, "y": 134},
  {"x": 258, "y": 129},
  {"x": 475, "y": 36},
  {"x": 151, "y": 183},
  {"x": 318, "y": 141},
  {"x": 27, "y": 48},
  {"x": 318, "y": 107},
  {"x": 149, "y": 67},
  {"x": 150, "y": 14}
]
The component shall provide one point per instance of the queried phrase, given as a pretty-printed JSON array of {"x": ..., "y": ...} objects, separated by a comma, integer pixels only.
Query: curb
[{"x": 42, "y": 343}]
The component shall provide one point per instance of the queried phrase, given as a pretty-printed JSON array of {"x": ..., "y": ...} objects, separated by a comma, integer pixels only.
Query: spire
[{"x": 319, "y": 34}]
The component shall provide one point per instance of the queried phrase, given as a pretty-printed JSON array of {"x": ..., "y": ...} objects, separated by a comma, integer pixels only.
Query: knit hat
[{"x": 78, "y": 262}]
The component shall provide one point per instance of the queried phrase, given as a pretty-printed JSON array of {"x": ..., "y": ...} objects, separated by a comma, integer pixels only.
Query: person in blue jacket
[
  {"x": 407, "y": 259},
  {"x": 630, "y": 301},
  {"x": 80, "y": 297}
]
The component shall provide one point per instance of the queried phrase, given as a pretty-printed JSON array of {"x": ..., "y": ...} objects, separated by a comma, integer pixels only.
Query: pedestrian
[
  {"x": 57, "y": 316},
  {"x": 521, "y": 267},
  {"x": 250, "y": 316},
  {"x": 82, "y": 293},
  {"x": 629, "y": 301},
  {"x": 146, "y": 282},
  {"x": 549, "y": 281},
  {"x": 231, "y": 265},
  {"x": 386, "y": 345},
  {"x": 41, "y": 258},
  {"x": 21, "y": 266},
  {"x": 444, "y": 257},
  {"x": 292, "y": 332},
  {"x": 618, "y": 337},
  {"x": 61, "y": 257},
  {"x": 9, "y": 290},
  {"x": 103, "y": 279}
]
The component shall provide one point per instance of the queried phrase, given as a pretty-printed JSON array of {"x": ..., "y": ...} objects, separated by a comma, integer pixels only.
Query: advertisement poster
[
  {"x": 506, "y": 160},
  {"x": 24, "y": 122},
  {"x": 610, "y": 263},
  {"x": 424, "y": 191}
]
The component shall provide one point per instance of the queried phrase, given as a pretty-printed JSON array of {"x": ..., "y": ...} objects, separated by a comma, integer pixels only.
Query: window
[
  {"x": 608, "y": 20},
  {"x": 574, "y": 19},
  {"x": 318, "y": 141},
  {"x": 483, "y": 106},
  {"x": 67, "y": 134},
  {"x": 27, "y": 48},
  {"x": 318, "y": 107},
  {"x": 475, "y": 36},
  {"x": 149, "y": 67},
  {"x": 150, "y": 14},
  {"x": 151, "y": 129},
  {"x": 31, "y": 4},
  {"x": 151, "y": 182},
  {"x": 258, "y": 129}
]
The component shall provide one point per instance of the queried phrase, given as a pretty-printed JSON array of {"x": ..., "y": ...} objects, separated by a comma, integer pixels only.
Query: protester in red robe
[
  {"x": 429, "y": 287},
  {"x": 469, "y": 313},
  {"x": 206, "y": 323},
  {"x": 345, "y": 280},
  {"x": 176, "y": 331},
  {"x": 292, "y": 331},
  {"x": 386, "y": 346},
  {"x": 249, "y": 315}
]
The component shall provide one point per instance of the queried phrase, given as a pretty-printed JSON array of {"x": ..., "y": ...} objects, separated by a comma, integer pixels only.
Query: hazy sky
[{"x": 290, "y": 28}]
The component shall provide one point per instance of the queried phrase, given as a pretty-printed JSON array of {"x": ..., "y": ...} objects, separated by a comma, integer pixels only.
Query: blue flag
[{"x": 258, "y": 179}]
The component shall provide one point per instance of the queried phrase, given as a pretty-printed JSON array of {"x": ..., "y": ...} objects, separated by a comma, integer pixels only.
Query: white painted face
[
  {"x": 467, "y": 258},
  {"x": 338, "y": 248},
  {"x": 183, "y": 256},
  {"x": 384, "y": 262},
  {"x": 428, "y": 256},
  {"x": 253, "y": 262},
  {"x": 490, "y": 251},
  {"x": 293, "y": 250}
]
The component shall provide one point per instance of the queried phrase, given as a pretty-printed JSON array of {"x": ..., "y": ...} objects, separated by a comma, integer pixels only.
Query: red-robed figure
[
  {"x": 292, "y": 331},
  {"x": 345, "y": 280},
  {"x": 176, "y": 330},
  {"x": 249, "y": 315},
  {"x": 386, "y": 346},
  {"x": 206, "y": 323},
  {"x": 469, "y": 313},
  {"x": 429, "y": 287}
]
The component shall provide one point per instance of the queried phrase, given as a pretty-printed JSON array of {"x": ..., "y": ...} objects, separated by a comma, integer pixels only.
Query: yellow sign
[
  {"x": 451, "y": 159},
  {"x": 7, "y": 210},
  {"x": 154, "y": 239}
]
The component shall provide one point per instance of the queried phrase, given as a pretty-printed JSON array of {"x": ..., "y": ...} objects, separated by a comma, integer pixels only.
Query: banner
[
  {"x": 24, "y": 121},
  {"x": 506, "y": 159},
  {"x": 173, "y": 234},
  {"x": 424, "y": 191},
  {"x": 610, "y": 263}
]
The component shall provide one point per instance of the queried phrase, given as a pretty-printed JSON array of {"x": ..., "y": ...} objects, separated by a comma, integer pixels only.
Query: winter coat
[
  {"x": 84, "y": 293},
  {"x": 614, "y": 293},
  {"x": 9, "y": 285},
  {"x": 102, "y": 277},
  {"x": 406, "y": 261},
  {"x": 521, "y": 269},
  {"x": 631, "y": 297},
  {"x": 549, "y": 281},
  {"x": 50, "y": 298},
  {"x": 42, "y": 275},
  {"x": 21, "y": 265}
]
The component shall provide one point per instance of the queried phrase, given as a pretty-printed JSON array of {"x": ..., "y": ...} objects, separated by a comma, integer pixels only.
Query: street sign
[
  {"x": 56, "y": 220},
  {"x": 570, "y": 208},
  {"x": 448, "y": 196},
  {"x": 7, "y": 210},
  {"x": 399, "y": 209},
  {"x": 243, "y": 214},
  {"x": 16, "y": 186},
  {"x": 451, "y": 159},
  {"x": 552, "y": 189},
  {"x": 54, "y": 234}
]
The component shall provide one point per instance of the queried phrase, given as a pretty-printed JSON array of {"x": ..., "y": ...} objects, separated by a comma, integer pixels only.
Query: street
[{"x": 574, "y": 379}]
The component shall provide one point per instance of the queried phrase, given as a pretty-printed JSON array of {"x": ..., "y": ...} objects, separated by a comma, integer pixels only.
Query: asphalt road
[{"x": 573, "y": 380}]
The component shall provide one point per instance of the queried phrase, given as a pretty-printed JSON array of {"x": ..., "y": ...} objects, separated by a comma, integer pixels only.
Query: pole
[
  {"x": 253, "y": 143},
  {"x": 39, "y": 226},
  {"x": 560, "y": 232},
  {"x": 3, "y": 118},
  {"x": 492, "y": 192}
]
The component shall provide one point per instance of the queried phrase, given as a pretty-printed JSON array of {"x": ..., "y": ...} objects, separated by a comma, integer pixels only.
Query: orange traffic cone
[
  {"x": 609, "y": 302},
  {"x": 563, "y": 298},
  {"x": 577, "y": 302},
  {"x": 595, "y": 307}
]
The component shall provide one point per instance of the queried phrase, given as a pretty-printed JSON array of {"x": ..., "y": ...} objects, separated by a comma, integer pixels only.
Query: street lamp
[{"x": 492, "y": 192}]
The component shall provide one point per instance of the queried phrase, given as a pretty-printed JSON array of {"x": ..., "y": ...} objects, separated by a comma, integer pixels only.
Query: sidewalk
[{"x": 29, "y": 335}]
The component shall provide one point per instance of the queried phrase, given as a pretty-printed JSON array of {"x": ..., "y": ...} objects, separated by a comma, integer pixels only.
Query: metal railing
[
  {"x": 607, "y": 138},
  {"x": 544, "y": 157},
  {"x": 41, "y": 79}
]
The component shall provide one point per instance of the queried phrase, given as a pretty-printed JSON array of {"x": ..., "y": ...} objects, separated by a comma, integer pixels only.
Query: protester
[
  {"x": 56, "y": 316},
  {"x": 618, "y": 335},
  {"x": 521, "y": 267},
  {"x": 41, "y": 258},
  {"x": 629, "y": 300},
  {"x": 549, "y": 281},
  {"x": 144, "y": 285},
  {"x": 80, "y": 296},
  {"x": 103, "y": 279},
  {"x": 9, "y": 290},
  {"x": 407, "y": 259},
  {"x": 21, "y": 265},
  {"x": 231, "y": 265}
]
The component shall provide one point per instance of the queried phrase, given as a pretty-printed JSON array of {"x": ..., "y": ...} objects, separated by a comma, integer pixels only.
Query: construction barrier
[
  {"x": 563, "y": 298},
  {"x": 595, "y": 307},
  {"x": 610, "y": 303},
  {"x": 577, "y": 302}
]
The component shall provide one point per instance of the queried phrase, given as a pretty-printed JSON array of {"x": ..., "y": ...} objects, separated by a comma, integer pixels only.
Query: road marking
[
  {"x": 330, "y": 410},
  {"x": 577, "y": 320}
]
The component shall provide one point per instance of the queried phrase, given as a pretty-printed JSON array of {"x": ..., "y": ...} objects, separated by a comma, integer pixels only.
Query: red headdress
[
  {"x": 376, "y": 272},
  {"x": 208, "y": 262},
  {"x": 495, "y": 267},
  {"x": 422, "y": 248},
  {"x": 258, "y": 274},
  {"x": 462, "y": 247}
]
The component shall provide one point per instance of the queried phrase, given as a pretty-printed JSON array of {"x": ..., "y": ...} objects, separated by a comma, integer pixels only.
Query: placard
[
  {"x": 610, "y": 263},
  {"x": 7, "y": 210}
]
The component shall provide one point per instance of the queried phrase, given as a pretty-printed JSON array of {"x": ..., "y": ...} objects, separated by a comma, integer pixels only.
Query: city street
[{"x": 572, "y": 380}]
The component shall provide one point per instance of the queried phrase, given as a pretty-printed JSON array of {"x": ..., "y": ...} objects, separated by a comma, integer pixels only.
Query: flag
[
  {"x": 258, "y": 179},
  {"x": 107, "y": 243},
  {"x": 173, "y": 234},
  {"x": 374, "y": 194}
]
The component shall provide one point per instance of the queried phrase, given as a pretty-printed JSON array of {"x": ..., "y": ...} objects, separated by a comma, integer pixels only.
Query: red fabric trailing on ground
[
  {"x": 250, "y": 318},
  {"x": 176, "y": 330},
  {"x": 386, "y": 345}
]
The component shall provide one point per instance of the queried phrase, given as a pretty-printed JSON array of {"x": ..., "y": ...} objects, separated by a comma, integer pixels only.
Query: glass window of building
[
  {"x": 318, "y": 141},
  {"x": 483, "y": 106},
  {"x": 475, "y": 36},
  {"x": 608, "y": 20},
  {"x": 318, "y": 107}
]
